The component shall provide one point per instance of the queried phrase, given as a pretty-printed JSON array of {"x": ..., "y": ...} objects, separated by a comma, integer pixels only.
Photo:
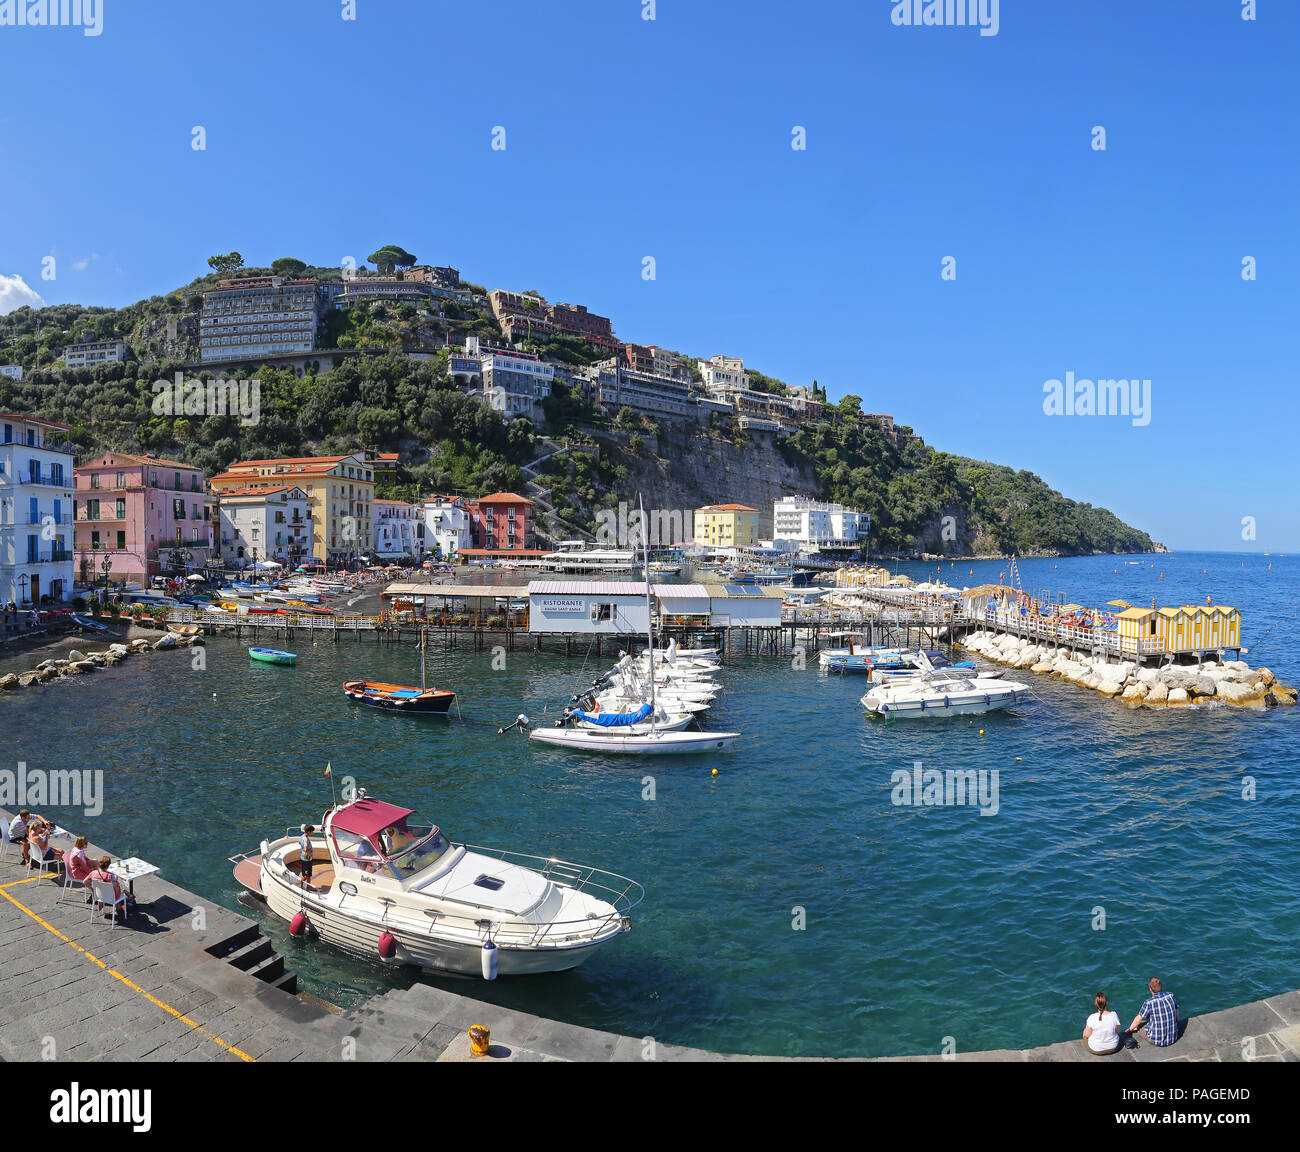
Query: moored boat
[
  {"x": 273, "y": 656},
  {"x": 400, "y": 697},
  {"x": 385, "y": 883}
]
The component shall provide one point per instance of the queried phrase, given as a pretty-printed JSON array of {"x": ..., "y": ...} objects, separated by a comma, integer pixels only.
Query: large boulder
[
  {"x": 1268, "y": 677},
  {"x": 1205, "y": 686},
  {"x": 1158, "y": 694},
  {"x": 1243, "y": 695},
  {"x": 8, "y": 681},
  {"x": 1178, "y": 696},
  {"x": 119, "y": 649},
  {"x": 1134, "y": 694},
  {"x": 77, "y": 654},
  {"x": 166, "y": 640},
  {"x": 1110, "y": 687}
]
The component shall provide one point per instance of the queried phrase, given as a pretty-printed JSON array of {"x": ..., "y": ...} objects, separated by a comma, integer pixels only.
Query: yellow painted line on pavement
[{"x": 4, "y": 891}]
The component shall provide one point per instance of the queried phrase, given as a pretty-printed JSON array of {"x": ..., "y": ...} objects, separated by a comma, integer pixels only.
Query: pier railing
[{"x": 310, "y": 621}]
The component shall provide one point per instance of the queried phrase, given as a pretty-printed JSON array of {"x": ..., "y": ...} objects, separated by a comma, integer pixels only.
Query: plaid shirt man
[{"x": 1160, "y": 1012}]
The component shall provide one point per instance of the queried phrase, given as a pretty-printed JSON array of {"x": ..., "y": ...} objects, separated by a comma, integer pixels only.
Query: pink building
[{"x": 145, "y": 516}]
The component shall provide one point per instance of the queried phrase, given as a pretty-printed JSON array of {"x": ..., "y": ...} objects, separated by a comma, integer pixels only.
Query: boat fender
[
  {"x": 387, "y": 947},
  {"x": 298, "y": 926},
  {"x": 488, "y": 958}
]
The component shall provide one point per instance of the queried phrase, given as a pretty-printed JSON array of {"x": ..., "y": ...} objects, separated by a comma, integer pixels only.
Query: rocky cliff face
[{"x": 686, "y": 469}]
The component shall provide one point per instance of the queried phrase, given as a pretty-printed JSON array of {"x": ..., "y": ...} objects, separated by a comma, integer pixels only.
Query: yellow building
[
  {"x": 340, "y": 489},
  {"x": 727, "y": 526},
  {"x": 1191, "y": 628}
]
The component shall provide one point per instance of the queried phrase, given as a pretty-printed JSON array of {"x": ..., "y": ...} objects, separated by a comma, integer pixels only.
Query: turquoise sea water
[{"x": 920, "y": 923}]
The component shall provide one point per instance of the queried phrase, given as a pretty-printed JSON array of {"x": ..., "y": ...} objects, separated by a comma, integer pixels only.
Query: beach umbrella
[
  {"x": 267, "y": 564},
  {"x": 196, "y": 578}
]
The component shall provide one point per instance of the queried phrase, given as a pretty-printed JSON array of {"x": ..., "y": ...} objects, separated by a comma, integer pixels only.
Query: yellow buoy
[
  {"x": 981, "y": 731},
  {"x": 715, "y": 771}
]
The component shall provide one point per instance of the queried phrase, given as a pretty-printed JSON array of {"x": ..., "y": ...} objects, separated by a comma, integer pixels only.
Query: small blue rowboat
[{"x": 273, "y": 656}]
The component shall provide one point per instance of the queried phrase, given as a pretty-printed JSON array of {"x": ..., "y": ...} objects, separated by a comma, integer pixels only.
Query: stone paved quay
[{"x": 168, "y": 987}]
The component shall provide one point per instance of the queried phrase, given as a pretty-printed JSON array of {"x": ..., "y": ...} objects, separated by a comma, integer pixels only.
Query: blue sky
[{"x": 671, "y": 138}]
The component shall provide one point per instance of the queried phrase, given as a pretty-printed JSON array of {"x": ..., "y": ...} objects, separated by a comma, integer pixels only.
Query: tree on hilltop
[
  {"x": 226, "y": 264},
  {"x": 389, "y": 257},
  {"x": 288, "y": 266}
]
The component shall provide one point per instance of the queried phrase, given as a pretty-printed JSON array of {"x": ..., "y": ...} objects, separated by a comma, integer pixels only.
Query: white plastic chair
[
  {"x": 103, "y": 894},
  {"x": 70, "y": 883},
  {"x": 4, "y": 848},
  {"x": 52, "y": 865}
]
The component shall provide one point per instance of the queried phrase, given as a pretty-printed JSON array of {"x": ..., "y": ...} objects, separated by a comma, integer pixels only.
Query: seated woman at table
[
  {"x": 38, "y": 836},
  {"x": 77, "y": 862},
  {"x": 104, "y": 876}
]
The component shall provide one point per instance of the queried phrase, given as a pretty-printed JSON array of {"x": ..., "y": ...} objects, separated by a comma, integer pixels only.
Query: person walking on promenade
[{"x": 1159, "y": 1015}]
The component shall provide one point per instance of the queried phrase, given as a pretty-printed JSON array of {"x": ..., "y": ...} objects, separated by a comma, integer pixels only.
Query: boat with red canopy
[{"x": 382, "y": 881}]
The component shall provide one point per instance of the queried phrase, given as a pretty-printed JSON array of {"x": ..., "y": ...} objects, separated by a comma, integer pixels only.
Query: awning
[{"x": 367, "y": 817}]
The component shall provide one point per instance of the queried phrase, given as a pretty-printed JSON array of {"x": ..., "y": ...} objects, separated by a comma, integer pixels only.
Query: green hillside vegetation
[
  {"x": 386, "y": 401},
  {"x": 381, "y": 402},
  {"x": 909, "y": 490}
]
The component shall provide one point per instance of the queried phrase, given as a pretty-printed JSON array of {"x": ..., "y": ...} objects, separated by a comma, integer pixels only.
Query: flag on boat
[{"x": 327, "y": 770}]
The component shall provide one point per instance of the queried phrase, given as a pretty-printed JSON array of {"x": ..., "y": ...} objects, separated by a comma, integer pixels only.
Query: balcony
[{"x": 48, "y": 556}]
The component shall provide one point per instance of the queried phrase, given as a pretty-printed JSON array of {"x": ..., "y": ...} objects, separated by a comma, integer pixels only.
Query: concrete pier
[{"x": 186, "y": 979}]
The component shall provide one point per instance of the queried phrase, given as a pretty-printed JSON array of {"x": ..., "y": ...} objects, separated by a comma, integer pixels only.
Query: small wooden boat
[
  {"x": 185, "y": 629},
  {"x": 273, "y": 656},
  {"x": 402, "y": 697}
]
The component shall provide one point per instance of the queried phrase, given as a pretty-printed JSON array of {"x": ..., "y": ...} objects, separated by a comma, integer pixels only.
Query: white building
[
  {"x": 813, "y": 524},
  {"x": 98, "y": 352},
  {"x": 265, "y": 524},
  {"x": 601, "y": 607},
  {"x": 13, "y": 371},
  {"x": 399, "y": 530},
  {"x": 516, "y": 383},
  {"x": 36, "y": 511},
  {"x": 745, "y": 606},
  {"x": 446, "y": 522},
  {"x": 724, "y": 374}
]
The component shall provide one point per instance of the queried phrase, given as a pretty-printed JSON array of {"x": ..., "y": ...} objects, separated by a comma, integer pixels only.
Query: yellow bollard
[{"x": 478, "y": 1040}]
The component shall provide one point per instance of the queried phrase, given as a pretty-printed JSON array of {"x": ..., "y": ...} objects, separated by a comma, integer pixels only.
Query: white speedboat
[
  {"x": 387, "y": 883},
  {"x": 933, "y": 694},
  {"x": 657, "y": 743}
]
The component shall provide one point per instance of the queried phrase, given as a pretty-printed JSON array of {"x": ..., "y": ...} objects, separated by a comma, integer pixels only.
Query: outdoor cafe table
[{"x": 131, "y": 869}]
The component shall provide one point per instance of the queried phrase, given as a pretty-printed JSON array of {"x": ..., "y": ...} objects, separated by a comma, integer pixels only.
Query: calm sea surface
[{"x": 920, "y": 923}]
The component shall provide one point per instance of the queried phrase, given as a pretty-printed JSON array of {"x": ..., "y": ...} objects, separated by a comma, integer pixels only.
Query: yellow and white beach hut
[{"x": 1191, "y": 628}]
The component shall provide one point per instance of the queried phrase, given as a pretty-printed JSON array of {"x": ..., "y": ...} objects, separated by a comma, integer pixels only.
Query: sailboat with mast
[
  {"x": 422, "y": 701},
  {"x": 638, "y": 732}
]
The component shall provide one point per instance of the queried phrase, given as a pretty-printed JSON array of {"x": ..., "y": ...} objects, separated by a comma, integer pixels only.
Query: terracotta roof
[
  {"x": 727, "y": 508},
  {"x": 504, "y": 498},
  {"x": 152, "y": 460},
  {"x": 257, "y": 491},
  {"x": 242, "y": 464}
]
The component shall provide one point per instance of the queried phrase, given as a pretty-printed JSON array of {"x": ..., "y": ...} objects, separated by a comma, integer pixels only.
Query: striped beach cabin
[{"x": 1191, "y": 628}]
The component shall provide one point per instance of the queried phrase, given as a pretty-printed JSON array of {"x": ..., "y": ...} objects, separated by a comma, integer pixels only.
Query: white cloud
[
  {"x": 14, "y": 293},
  {"x": 82, "y": 265}
]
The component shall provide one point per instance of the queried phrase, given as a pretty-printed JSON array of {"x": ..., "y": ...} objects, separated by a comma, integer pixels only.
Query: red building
[{"x": 502, "y": 522}]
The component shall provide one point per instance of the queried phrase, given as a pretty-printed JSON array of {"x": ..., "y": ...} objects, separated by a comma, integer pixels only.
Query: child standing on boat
[{"x": 304, "y": 851}]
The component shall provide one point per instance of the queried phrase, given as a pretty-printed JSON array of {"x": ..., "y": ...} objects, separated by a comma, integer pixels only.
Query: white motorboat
[
  {"x": 655, "y": 743},
  {"x": 933, "y": 694},
  {"x": 387, "y": 883}
]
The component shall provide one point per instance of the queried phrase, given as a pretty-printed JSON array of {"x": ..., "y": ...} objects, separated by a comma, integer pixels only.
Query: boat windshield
[{"x": 413, "y": 845}]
